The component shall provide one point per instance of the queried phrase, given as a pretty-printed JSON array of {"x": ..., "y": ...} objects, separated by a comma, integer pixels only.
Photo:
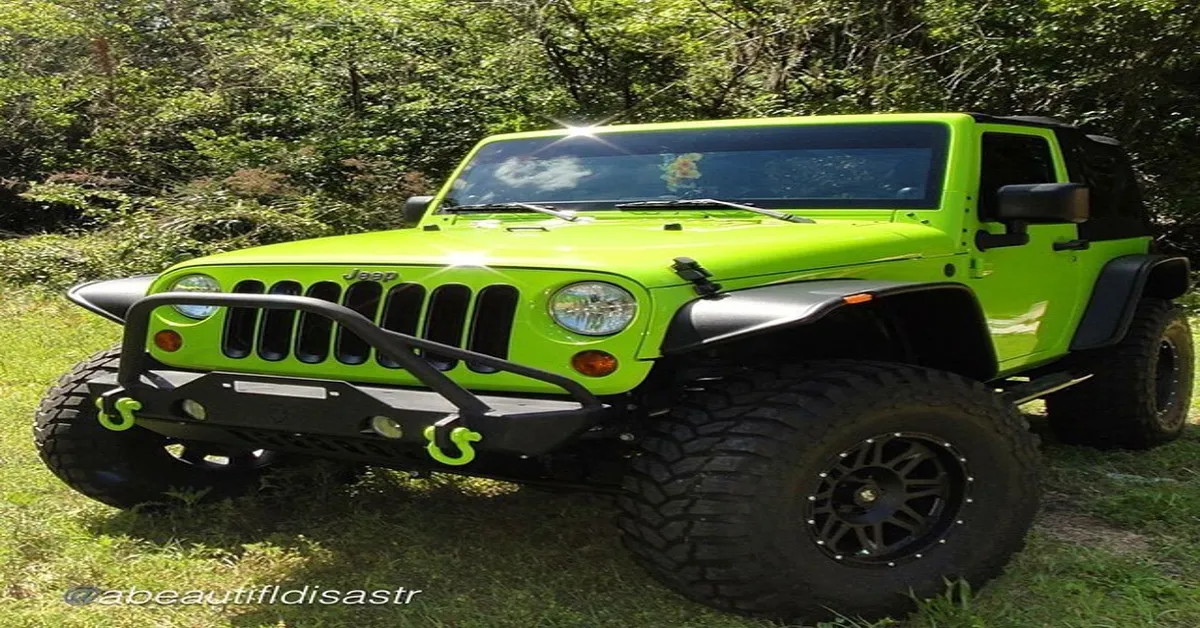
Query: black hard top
[{"x": 1042, "y": 122}]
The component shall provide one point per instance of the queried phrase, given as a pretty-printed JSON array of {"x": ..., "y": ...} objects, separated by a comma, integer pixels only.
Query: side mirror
[
  {"x": 415, "y": 207},
  {"x": 1043, "y": 202},
  {"x": 1019, "y": 205}
]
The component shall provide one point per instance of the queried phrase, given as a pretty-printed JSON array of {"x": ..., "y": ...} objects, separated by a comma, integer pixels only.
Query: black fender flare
[
  {"x": 111, "y": 298},
  {"x": 738, "y": 314},
  {"x": 1121, "y": 284}
]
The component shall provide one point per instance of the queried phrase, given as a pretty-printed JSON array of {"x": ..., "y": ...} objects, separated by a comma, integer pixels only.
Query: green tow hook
[
  {"x": 460, "y": 436},
  {"x": 125, "y": 407}
]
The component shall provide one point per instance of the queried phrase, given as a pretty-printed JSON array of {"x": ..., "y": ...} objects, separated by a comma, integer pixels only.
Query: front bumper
[{"x": 272, "y": 412}]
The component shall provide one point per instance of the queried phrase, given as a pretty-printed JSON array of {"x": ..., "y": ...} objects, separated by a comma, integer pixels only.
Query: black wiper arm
[
  {"x": 541, "y": 209},
  {"x": 712, "y": 202}
]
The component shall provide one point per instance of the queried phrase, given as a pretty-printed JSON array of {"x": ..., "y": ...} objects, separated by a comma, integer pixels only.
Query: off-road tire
[
  {"x": 714, "y": 505},
  {"x": 132, "y": 467},
  {"x": 1140, "y": 390}
]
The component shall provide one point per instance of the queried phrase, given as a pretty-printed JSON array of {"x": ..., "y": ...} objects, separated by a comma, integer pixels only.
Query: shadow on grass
[{"x": 481, "y": 553}]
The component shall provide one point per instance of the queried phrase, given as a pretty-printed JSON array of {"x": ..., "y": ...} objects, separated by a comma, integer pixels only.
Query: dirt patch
[{"x": 1080, "y": 529}]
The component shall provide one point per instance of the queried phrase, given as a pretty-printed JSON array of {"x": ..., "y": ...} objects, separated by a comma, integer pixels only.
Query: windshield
[{"x": 840, "y": 166}]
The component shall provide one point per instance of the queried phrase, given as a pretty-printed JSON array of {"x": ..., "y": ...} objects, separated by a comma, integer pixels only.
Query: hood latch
[{"x": 690, "y": 270}]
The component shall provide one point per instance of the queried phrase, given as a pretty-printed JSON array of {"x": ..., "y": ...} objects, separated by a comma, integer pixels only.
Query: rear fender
[{"x": 1122, "y": 283}]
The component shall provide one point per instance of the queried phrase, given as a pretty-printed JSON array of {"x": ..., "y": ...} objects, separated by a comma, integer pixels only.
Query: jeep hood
[{"x": 640, "y": 249}]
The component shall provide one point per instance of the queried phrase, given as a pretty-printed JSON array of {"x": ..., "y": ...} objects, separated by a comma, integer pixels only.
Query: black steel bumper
[{"x": 247, "y": 408}]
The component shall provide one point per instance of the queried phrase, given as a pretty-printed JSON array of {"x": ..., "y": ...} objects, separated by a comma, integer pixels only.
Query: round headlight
[
  {"x": 196, "y": 283},
  {"x": 593, "y": 308}
]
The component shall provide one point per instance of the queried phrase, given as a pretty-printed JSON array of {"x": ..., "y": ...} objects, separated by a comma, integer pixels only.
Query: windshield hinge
[{"x": 690, "y": 270}]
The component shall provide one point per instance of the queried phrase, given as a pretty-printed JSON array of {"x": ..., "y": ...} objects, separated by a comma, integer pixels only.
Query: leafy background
[{"x": 135, "y": 133}]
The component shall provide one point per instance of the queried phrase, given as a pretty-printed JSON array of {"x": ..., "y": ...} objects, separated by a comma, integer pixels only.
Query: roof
[
  {"x": 1039, "y": 121},
  {"x": 567, "y": 129},
  {"x": 947, "y": 117}
]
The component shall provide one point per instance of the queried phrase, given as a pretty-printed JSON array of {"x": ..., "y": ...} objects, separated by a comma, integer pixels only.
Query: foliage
[{"x": 353, "y": 104}]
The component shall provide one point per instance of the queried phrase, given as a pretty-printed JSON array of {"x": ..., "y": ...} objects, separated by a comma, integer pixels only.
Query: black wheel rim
[
  {"x": 1166, "y": 381},
  {"x": 888, "y": 499}
]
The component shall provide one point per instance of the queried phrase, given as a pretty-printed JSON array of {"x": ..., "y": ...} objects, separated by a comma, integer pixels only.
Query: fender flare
[
  {"x": 738, "y": 314},
  {"x": 111, "y": 298},
  {"x": 1121, "y": 284}
]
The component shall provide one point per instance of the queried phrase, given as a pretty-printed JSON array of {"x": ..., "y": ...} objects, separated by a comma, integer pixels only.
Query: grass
[{"x": 1117, "y": 544}]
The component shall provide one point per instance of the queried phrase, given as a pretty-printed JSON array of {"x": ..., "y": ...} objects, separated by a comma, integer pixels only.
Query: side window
[
  {"x": 1116, "y": 210},
  {"x": 1011, "y": 159},
  {"x": 1109, "y": 175}
]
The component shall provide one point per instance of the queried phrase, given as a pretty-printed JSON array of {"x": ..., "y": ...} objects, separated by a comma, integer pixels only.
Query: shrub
[{"x": 146, "y": 235}]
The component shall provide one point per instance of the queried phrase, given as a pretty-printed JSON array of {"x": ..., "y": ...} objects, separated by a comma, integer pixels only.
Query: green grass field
[{"x": 1117, "y": 545}]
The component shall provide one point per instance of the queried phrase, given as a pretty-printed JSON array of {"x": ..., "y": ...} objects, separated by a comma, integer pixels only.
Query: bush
[{"x": 128, "y": 235}]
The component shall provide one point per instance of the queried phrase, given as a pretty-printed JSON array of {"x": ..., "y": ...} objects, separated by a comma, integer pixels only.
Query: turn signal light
[
  {"x": 594, "y": 363},
  {"x": 861, "y": 297},
  {"x": 168, "y": 340}
]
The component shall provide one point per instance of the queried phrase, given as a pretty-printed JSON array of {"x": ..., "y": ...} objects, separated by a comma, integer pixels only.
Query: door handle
[{"x": 1072, "y": 245}]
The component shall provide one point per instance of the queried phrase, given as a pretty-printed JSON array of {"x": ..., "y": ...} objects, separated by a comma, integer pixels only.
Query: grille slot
[
  {"x": 275, "y": 333},
  {"x": 445, "y": 321},
  {"x": 491, "y": 324},
  {"x": 362, "y": 297},
  {"x": 238, "y": 339},
  {"x": 450, "y": 314},
  {"x": 312, "y": 341},
  {"x": 401, "y": 313}
]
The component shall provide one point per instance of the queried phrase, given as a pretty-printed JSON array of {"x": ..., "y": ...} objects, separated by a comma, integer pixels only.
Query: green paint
[
  {"x": 125, "y": 407},
  {"x": 1032, "y": 296},
  {"x": 461, "y": 437}
]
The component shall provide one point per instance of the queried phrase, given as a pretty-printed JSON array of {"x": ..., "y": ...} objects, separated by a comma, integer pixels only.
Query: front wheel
[
  {"x": 136, "y": 466},
  {"x": 808, "y": 491}
]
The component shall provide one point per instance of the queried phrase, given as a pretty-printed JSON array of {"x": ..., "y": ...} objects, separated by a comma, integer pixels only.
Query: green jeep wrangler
[{"x": 792, "y": 348}]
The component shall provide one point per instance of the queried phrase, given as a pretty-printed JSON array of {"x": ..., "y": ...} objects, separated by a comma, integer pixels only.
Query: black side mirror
[
  {"x": 415, "y": 207},
  {"x": 1043, "y": 202},
  {"x": 1019, "y": 205}
]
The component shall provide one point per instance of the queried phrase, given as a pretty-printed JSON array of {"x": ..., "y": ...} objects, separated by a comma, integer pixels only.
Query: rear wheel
[
  {"x": 1140, "y": 390},
  {"x": 813, "y": 490},
  {"x": 137, "y": 466}
]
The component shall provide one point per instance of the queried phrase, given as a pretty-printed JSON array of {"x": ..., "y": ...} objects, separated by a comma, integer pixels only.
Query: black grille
[
  {"x": 240, "y": 322},
  {"x": 312, "y": 342},
  {"x": 275, "y": 333},
  {"x": 450, "y": 314}
]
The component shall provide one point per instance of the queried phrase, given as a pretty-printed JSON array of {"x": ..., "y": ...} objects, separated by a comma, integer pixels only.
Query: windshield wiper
[
  {"x": 712, "y": 202},
  {"x": 541, "y": 209}
]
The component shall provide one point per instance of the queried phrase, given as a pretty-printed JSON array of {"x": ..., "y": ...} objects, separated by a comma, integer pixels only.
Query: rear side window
[
  {"x": 1116, "y": 208},
  {"x": 1108, "y": 173},
  {"x": 1011, "y": 159}
]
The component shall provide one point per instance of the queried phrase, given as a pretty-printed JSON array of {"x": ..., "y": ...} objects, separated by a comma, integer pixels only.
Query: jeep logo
[{"x": 378, "y": 275}]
